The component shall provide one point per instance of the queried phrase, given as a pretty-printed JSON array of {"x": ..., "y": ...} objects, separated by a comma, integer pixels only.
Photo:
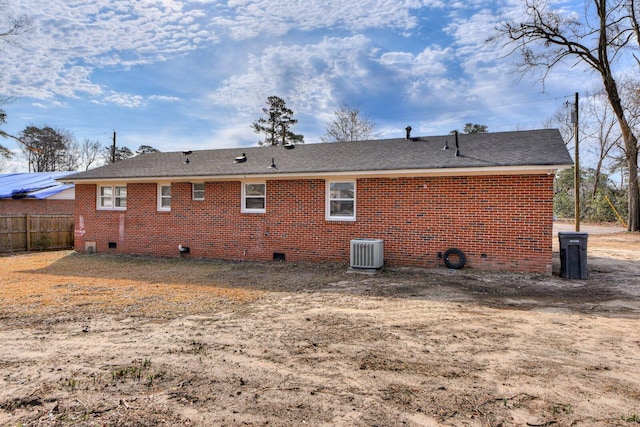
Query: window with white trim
[
  {"x": 254, "y": 197},
  {"x": 120, "y": 196},
  {"x": 197, "y": 191},
  {"x": 112, "y": 197},
  {"x": 341, "y": 200},
  {"x": 164, "y": 197}
]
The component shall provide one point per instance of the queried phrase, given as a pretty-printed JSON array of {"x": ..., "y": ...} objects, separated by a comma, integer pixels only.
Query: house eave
[{"x": 441, "y": 172}]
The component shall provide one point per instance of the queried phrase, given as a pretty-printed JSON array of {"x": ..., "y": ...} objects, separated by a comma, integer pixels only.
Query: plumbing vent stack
[{"x": 457, "y": 146}]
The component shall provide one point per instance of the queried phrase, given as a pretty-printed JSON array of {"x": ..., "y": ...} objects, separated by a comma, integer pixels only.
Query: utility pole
[
  {"x": 113, "y": 148},
  {"x": 576, "y": 167}
]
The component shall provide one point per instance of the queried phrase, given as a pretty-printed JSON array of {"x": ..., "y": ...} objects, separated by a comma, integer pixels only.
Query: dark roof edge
[{"x": 469, "y": 171}]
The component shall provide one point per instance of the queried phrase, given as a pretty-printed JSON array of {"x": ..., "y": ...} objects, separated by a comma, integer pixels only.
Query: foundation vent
[{"x": 90, "y": 247}]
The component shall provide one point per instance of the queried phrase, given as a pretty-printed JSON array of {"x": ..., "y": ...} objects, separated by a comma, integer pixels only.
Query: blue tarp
[{"x": 37, "y": 185}]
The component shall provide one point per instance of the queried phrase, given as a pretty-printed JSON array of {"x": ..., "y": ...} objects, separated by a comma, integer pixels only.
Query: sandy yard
[{"x": 122, "y": 341}]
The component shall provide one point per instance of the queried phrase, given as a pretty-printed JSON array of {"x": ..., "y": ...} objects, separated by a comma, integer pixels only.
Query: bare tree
[
  {"x": 634, "y": 16},
  {"x": 547, "y": 37},
  {"x": 348, "y": 125},
  {"x": 631, "y": 95},
  {"x": 4, "y": 152},
  {"x": 121, "y": 153},
  {"x": 11, "y": 28},
  {"x": 601, "y": 133},
  {"x": 89, "y": 151},
  {"x": 47, "y": 149}
]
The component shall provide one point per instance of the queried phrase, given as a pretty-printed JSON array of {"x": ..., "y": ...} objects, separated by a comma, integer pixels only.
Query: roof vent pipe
[
  {"x": 408, "y": 129},
  {"x": 457, "y": 146}
]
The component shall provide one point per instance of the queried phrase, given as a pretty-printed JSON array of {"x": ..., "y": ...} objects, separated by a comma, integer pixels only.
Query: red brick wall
[
  {"x": 34, "y": 206},
  {"x": 500, "y": 222}
]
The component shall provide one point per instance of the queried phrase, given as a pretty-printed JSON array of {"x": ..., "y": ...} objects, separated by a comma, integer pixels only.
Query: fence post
[{"x": 28, "y": 228}]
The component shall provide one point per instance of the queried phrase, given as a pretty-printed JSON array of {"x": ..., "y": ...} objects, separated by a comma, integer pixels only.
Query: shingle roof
[{"x": 481, "y": 150}]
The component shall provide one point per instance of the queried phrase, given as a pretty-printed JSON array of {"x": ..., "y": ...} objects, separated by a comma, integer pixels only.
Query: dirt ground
[{"x": 130, "y": 341}]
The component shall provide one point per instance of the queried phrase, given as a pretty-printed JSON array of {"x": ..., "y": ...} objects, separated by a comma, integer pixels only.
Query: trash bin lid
[{"x": 573, "y": 235}]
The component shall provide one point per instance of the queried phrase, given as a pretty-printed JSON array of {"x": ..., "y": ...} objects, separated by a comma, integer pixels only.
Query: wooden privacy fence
[{"x": 35, "y": 232}]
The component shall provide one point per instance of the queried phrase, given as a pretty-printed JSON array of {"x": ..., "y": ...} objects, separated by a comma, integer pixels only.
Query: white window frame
[
  {"x": 329, "y": 199},
  {"x": 161, "y": 197},
  {"x": 112, "y": 206},
  {"x": 244, "y": 208},
  {"x": 194, "y": 191}
]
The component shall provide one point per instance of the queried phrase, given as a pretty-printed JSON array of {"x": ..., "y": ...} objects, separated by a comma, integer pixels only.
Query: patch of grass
[
  {"x": 511, "y": 403},
  {"x": 150, "y": 378},
  {"x": 72, "y": 384},
  {"x": 133, "y": 371},
  {"x": 561, "y": 408},
  {"x": 632, "y": 418},
  {"x": 49, "y": 283},
  {"x": 197, "y": 347}
]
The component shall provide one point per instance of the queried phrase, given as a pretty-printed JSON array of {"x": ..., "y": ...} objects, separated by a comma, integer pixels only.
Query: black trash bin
[{"x": 573, "y": 255}]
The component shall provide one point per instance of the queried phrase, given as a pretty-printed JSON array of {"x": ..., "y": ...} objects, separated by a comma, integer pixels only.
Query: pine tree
[{"x": 276, "y": 126}]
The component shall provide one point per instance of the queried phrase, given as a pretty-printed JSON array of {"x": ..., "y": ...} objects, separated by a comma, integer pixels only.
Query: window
[
  {"x": 254, "y": 197},
  {"x": 120, "y": 193},
  {"x": 341, "y": 201},
  {"x": 164, "y": 197},
  {"x": 112, "y": 197},
  {"x": 106, "y": 197},
  {"x": 197, "y": 191}
]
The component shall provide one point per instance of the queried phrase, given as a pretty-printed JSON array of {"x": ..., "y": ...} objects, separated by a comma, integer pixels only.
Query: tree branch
[{"x": 17, "y": 26}]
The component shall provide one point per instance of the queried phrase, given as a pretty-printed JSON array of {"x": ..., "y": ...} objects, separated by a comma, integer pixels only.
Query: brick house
[
  {"x": 36, "y": 193},
  {"x": 488, "y": 194}
]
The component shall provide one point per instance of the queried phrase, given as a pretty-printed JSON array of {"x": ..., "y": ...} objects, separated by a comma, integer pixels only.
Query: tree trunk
[
  {"x": 630, "y": 141},
  {"x": 634, "y": 192},
  {"x": 596, "y": 179},
  {"x": 631, "y": 153}
]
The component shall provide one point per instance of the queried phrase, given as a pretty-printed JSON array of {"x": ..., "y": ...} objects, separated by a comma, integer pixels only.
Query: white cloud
[
  {"x": 250, "y": 18},
  {"x": 48, "y": 105},
  {"x": 491, "y": 80},
  {"x": 198, "y": 71},
  {"x": 430, "y": 62},
  {"x": 72, "y": 39},
  {"x": 125, "y": 100},
  {"x": 13, "y": 165},
  {"x": 305, "y": 75},
  {"x": 75, "y": 39},
  {"x": 164, "y": 98}
]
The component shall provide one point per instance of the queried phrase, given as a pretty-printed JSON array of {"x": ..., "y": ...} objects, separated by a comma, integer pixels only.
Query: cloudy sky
[{"x": 195, "y": 73}]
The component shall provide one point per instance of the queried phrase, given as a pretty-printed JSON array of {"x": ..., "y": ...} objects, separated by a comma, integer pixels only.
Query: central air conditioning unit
[{"x": 367, "y": 253}]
